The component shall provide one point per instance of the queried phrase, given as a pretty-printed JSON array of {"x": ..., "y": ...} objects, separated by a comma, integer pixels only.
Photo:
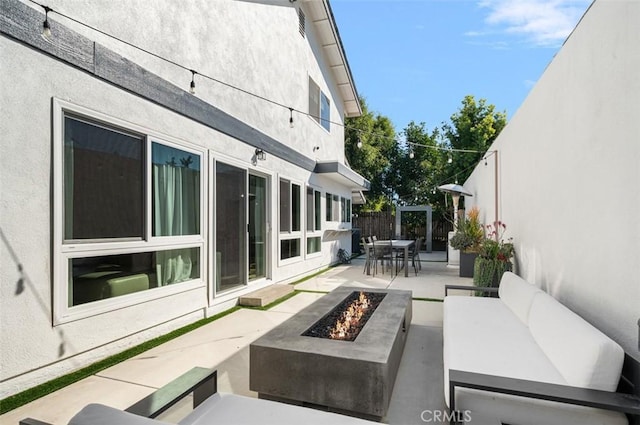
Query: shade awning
[{"x": 344, "y": 175}]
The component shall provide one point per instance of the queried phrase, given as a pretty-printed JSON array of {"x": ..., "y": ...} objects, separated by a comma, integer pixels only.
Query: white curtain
[{"x": 176, "y": 200}]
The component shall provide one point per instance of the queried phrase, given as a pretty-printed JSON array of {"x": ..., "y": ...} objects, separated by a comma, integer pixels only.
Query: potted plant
[
  {"x": 494, "y": 257},
  {"x": 467, "y": 239}
]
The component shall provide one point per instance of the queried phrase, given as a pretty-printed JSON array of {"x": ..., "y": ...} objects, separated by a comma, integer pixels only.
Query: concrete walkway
[{"x": 223, "y": 344}]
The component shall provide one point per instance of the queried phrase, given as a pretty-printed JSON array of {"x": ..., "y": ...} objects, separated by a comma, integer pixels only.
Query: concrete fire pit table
[{"x": 354, "y": 377}]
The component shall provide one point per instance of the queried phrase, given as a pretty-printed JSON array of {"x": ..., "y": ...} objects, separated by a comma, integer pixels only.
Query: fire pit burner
[{"x": 345, "y": 321}]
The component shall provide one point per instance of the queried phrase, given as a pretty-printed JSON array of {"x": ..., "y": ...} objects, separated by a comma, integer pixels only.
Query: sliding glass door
[
  {"x": 231, "y": 228},
  {"x": 240, "y": 227},
  {"x": 257, "y": 227}
]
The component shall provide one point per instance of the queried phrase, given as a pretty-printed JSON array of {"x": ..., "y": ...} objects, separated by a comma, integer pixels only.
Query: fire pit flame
[
  {"x": 345, "y": 321},
  {"x": 350, "y": 318}
]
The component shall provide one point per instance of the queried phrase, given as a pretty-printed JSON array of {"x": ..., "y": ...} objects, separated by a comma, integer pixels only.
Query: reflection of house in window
[{"x": 105, "y": 192}]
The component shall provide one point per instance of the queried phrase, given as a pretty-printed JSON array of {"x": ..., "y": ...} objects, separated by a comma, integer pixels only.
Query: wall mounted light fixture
[
  {"x": 260, "y": 154},
  {"x": 316, "y": 148}
]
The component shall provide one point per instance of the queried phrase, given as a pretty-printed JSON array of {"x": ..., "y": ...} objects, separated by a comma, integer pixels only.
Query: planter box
[{"x": 467, "y": 261}]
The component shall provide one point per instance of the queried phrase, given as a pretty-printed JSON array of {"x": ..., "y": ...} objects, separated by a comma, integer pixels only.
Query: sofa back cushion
[
  {"x": 517, "y": 294},
  {"x": 583, "y": 355}
]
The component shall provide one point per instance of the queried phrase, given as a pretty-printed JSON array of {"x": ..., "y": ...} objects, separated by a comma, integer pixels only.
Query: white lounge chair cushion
[{"x": 584, "y": 356}]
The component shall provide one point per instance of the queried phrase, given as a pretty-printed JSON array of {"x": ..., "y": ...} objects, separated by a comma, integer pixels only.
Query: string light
[
  {"x": 359, "y": 144},
  {"x": 46, "y": 28},
  {"x": 192, "y": 86},
  {"x": 449, "y": 160},
  {"x": 411, "y": 154},
  {"x": 291, "y": 118},
  {"x": 46, "y": 31}
]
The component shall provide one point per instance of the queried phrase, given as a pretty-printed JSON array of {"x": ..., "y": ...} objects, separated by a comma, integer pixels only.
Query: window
[
  {"x": 319, "y": 105},
  {"x": 289, "y": 248},
  {"x": 103, "y": 182},
  {"x": 314, "y": 244},
  {"x": 313, "y": 210},
  {"x": 336, "y": 208},
  {"x": 329, "y": 207},
  {"x": 290, "y": 219},
  {"x": 314, "y": 220},
  {"x": 128, "y": 214},
  {"x": 345, "y": 210}
]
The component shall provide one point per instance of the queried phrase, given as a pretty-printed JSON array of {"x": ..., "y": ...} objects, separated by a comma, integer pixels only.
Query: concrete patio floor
[{"x": 224, "y": 345}]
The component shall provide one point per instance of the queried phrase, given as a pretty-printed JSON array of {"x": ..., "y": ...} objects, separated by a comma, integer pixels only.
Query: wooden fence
[{"x": 383, "y": 225}]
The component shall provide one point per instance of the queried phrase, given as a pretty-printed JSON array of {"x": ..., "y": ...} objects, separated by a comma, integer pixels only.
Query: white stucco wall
[
  {"x": 248, "y": 44},
  {"x": 254, "y": 46},
  {"x": 569, "y": 168}
]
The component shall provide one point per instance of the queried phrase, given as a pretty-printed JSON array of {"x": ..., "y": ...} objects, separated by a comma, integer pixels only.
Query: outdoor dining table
[{"x": 396, "y": 245}]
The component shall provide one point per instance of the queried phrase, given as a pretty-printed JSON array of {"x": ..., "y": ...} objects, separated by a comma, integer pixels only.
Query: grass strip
[
  {"x": 311, "y": 291},
  {"x": 311, "y": 276},
  {"x": 48, "y": 387}
]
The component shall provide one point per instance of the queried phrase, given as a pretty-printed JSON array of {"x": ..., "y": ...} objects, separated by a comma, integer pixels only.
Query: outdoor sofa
[
  {"x": 524, "y": 358},
  {"x": 210, "y": 407}
]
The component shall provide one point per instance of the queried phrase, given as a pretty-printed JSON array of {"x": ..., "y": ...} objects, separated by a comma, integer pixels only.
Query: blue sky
[{"x": 416, "y": 60}]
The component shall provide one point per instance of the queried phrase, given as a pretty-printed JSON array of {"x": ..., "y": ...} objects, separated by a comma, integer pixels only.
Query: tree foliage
[
  {"x": 406, "y": 170},
  {"x": 372, "y": 160}
]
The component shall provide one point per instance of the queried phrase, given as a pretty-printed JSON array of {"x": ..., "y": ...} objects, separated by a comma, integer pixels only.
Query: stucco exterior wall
[
  {"x": 569, "y": 166},
  {"x": 247, "y": 44}
]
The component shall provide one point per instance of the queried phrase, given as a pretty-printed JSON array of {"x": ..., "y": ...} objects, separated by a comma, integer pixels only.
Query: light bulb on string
[
  {"x": 411, "y": 154},
  {"x": 46, "y": 28},
  {"x": 192, "y": 86},
  {"x": 359, "y": 144},
  {"x": 291, "y": 125},
  {"x": 449, "y": 160}
]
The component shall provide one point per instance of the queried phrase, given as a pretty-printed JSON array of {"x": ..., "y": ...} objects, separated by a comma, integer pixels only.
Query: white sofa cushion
[
  {"x": 483, "y": 335},
  {"x": 582, "y": 354},
  {"x": 517, "y": 294}
]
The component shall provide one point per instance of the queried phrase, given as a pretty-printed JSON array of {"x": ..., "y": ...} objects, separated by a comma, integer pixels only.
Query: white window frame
[
  {"x": 315, "y": 232},
  {"x": 63, "y": 251},
  {"x": 290, "y": 234}
]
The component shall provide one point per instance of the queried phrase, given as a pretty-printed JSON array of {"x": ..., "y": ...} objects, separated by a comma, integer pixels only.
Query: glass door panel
[
  {"x": 231, "y": 229},
  {"x": 257, "y": 227}
]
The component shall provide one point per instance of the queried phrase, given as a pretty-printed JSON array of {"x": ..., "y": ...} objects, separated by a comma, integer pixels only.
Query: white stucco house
[
  {"x": 129, "y": 205},
  {"x": 568, "y": 168}
]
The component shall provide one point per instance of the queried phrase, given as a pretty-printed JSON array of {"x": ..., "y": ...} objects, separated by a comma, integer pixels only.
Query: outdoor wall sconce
[
  {"x": 260, "y": 154},
  {"x": 316, "y": 148}
]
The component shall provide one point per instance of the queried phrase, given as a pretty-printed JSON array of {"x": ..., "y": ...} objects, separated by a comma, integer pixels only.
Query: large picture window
[{"x": 129, "y": 213}]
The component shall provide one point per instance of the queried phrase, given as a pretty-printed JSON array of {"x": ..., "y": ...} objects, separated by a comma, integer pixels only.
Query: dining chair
[
  {"x": 382, "y": 252},
  {"x": 414, "y": 252}
]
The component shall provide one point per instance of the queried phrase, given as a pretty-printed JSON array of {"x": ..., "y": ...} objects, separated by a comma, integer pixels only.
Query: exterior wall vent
[{"x": 301, "y": 22}]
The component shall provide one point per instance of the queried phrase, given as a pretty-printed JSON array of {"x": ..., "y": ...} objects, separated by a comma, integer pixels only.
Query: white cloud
[{"x": 541, "y": 22}]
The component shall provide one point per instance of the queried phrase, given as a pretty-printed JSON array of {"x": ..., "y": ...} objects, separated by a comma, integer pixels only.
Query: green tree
[
  {"x": 473, "y": 127},
  {"x": 376, "y": 136}
]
